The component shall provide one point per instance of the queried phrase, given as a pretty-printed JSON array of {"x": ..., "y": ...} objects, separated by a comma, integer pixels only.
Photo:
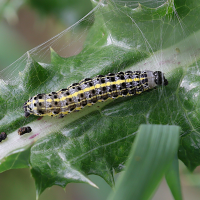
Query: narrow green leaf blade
[
  {"x": 173, "y": 179},
  {"x": 151, "y": 154}
]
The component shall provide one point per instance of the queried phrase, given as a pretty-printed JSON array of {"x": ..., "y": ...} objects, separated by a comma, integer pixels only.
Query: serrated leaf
[{"x": 97, "y": 140}]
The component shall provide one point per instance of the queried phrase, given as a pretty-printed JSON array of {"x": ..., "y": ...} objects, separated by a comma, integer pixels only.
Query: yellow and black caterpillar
[{"x": 89, "y": 91}]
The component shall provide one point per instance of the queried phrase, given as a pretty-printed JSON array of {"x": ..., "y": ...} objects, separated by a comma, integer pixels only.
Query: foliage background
[{"x": 24, "y": 25}]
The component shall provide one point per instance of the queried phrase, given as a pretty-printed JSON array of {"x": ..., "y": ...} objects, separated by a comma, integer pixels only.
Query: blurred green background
[{"x": 25, "y": 24}]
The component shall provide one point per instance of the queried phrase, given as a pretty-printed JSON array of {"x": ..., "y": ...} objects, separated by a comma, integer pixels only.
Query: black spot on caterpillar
[
  {"x": 89, "y": 91},
  {"x": 3, "y": 136},
  {"x": 23, "y": 130}
]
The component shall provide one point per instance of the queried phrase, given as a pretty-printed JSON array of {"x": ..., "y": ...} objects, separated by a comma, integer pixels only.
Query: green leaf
[
  {"x": 97, "y": 139},
  {"x": 150, "y": 157},
  {"x": 173, "y": 179},
  {"x": 68, "y": 11}
]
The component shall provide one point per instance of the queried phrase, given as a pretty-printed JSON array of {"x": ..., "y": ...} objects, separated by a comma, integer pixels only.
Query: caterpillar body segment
[{"x": 91, "y": 90}]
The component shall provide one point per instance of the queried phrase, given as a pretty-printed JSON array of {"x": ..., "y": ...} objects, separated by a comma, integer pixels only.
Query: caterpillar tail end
[{"x": 26, "y": 112}]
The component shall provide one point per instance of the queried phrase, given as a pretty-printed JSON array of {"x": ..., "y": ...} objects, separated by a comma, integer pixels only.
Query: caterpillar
[
  {"x": 23, "y": 130},
  {"x": 89, "y": 91}
]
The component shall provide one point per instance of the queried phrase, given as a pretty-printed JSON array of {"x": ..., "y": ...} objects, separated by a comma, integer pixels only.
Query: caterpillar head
[
  {"x": 156, "y": 78},
  {"x": 160, "y": 78}
]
